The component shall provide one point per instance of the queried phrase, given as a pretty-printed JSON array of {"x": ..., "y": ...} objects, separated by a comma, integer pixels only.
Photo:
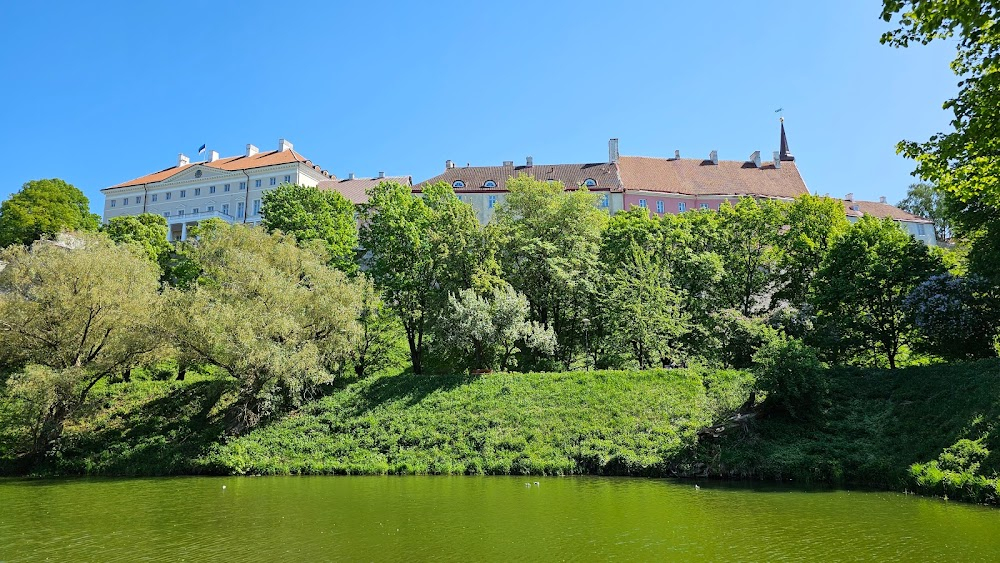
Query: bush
[
  {"x": 792, "y": 376},
  {"x": 955, "y": 474}
]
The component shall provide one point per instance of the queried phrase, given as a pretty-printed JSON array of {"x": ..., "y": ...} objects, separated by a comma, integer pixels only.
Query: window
[
  {"x": 659, "y": 206},
  {"x": 256, "y": 207},
  {"x": 590, "y": 183},
  {"x": 211, "y": 189},
  {"x": 920, "y": 229},
  {"x": 167, "y": 196},
  {"x": 493, "y": 201},
  {"x": 642, "y": 203},
  {"x": 211, "y": 208},
  {"x": 154, "y": 198},
  {"x": 225, "y": 188},
  {"x": 458, "y": 184},
  {"x": 682, "y": 207},
  {"x": 273, "y": 180},
  {"x": 703, "y": 206},
  {"x": 240, "y": 209},
  {"x": 180, "y": 213},
  {"x": 114, "y": 202},
  {"x": 256, "y": 184},
  {"x": 489, "y": 184},
  {"x": 288, "y": 179},
  {"x": 184, "y": 193},
  {"x": 225, "y": 209},
  {"x": 243, "y": 185},
  {"x": 197, "y": 191},
  {"x": 124, "y": 201},
  {"x": 195, "y": 211},
  {"x": 605, "y": 201},
  {"x": 138, "y": 200},
  {"x": 166, "y": 214}
]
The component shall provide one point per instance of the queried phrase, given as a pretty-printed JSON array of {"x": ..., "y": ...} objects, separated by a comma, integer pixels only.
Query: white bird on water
[
  {"x": 697, "y": 488},
  {"x": 537, "y": 484},
  {"x": 223, "y": 487}
]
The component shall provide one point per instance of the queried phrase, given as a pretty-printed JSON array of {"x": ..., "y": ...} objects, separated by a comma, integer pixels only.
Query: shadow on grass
[
  {"x": 162, "y": 436},
  {"x": 408, "y": 387}
]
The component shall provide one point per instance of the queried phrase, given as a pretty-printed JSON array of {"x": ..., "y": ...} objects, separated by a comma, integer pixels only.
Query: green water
[{"x": 476, "y": 519}]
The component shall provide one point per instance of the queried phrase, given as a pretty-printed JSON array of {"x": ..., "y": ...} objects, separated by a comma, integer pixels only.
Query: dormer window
[
  {"x": 590, "y": 183},
  {"x": 489, "y": 184},
  {"x": 458, "y": 184}
]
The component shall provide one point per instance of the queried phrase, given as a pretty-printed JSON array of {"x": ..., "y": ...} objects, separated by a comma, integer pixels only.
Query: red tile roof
[
  {"x": 571, "y": 175},
  {"x": 230, "y": 163},
  {"x": 881, "y": 210},
  {"x": 356, "y": 189},
  {"x": 701, "y": 177}
]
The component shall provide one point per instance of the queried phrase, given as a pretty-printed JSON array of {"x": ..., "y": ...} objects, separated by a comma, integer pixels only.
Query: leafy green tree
[
  {"x": 44, "y": 208},
  {"x": 421, "y": 249},
  {"x": 490, "y": 330},
  {"x": 959, "y": 317},
  {"x": 549, "y": 241},
  {"x": 928, "y": 202},
  {"x": 813, "y": 224},
  {"x": 83, "y": 310},
  {"x": 749, "y": 234},
  {"x": 379, "y": 335},
  {"x": 860, "y": 288},
  {"x": 308, "y": 213},
  {"x": 147, "y": 232},
  {"x": 272, "y": 315}
]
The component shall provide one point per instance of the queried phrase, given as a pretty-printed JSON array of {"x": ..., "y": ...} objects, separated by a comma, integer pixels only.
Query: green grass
[{"x": 623, "y": 423}]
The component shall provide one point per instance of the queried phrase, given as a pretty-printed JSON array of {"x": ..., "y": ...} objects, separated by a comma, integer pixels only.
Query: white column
[{"x": 184, "y": 231}]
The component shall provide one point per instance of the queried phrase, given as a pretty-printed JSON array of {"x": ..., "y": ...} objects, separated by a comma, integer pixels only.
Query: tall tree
[
  {"x": 83, "y": 309},
  {"x": 812, "y": 225},
  {"x": 147, "y": 232},
  {"x": 44, "y": 208},
  {"x": 861, "y": 286},
  {"x": 308, "y": 214},
  {"x": 928, "y": 202},
  {"x": 749, "y": 234}
]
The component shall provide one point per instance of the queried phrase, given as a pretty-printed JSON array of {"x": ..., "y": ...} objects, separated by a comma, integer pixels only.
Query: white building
[
  {"x": 227, "y": 188},
  {"x": 921, "y": 229}
]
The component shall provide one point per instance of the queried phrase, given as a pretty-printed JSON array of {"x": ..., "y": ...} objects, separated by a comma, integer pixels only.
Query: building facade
[
  {"x": 228, "y": 188},
  {"x": 921, "y": 229}
]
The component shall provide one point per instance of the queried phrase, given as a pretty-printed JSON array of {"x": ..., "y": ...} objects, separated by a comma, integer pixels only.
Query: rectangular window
[
  {"x": 197, "y": 191},
  {"x": 138, "y": 200},
  {"x": 184, "y": 193},
  {"x": 274, "y": 181},
  {"x": 124, "y": 201},
  {"x": 704, "y": 206},
  {"x": 154, "y": 198},
  {"x": 167, "y": 196},
  {"x": 256, "y": 207},
  {"x": 113, "y": 202},
  {"x": 682, "y": 207},
  {"x": 659, "y": 206},
  {"x": 256, "y": 183},
  {"x": 225, "y": 188},
  {"x": 605, "y": 202},
  {"x": 225, "y": 209},
  {"x": 493, "y": 201},
  {"x": 239, "y": 209},
  {"x": 288, "y": 179},
  {"x": 211, "y": 208},
  {"x": 920, "y": 229},
  {"x": 642, "y": 203},
  {"x": 166, "y": 214},
  {"x": 195, "y": 211},
  {"x": 211, "y": 189},
  {"x": 180, "y": 213},
  {"x": 243, "y": 185}
]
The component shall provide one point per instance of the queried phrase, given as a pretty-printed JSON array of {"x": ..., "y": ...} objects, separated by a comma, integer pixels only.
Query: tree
[
  {"x": 272, "y": 315},
  {"x": 813, "y": 224},
  {"x": 959, "y": 317},
  {"x": 549, "y": 241},
  {"x": 962, "y": 162},
  {"x": 489, "y": 330},
  {"x": 44, "y": 208},
  {"x": 792, "y": 376},
  {"x": 82, "y": 309},
  {"x": 308, "y": 213},
  {"x": 147, "y": 232},
  {"x": 379, "y": 331},
  {"x": 421, "y": 250},
  {"x": 860, "y": 287},
  {"x": 928, "y": 202},
  {"x": 749, "y": 234}
]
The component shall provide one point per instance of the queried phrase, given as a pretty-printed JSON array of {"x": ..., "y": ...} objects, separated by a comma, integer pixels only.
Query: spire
[{"x": 784, "y": 153}]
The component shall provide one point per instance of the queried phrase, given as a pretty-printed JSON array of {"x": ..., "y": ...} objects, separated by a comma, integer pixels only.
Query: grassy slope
[{"x": 879, "y": 423}]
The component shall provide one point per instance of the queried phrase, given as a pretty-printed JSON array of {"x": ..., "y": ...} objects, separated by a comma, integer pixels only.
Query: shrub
[{"x": 792, "y": 376}]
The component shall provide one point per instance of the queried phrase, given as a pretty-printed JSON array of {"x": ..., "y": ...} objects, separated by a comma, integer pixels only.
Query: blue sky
[{"x": 101, "y": 93}]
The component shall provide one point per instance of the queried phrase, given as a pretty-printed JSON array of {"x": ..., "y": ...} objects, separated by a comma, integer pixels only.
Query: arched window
[
  {"x": 590, "y": 183},
  {"x": 458, "y": 184},
  {"x": 489, "y": 184}
]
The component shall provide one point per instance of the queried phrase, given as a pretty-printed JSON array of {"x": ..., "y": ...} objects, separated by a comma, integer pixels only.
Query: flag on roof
[{"x": 201, "y": 149}]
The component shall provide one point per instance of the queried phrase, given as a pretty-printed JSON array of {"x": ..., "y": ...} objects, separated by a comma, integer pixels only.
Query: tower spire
[{"x": 784, "y": 153}]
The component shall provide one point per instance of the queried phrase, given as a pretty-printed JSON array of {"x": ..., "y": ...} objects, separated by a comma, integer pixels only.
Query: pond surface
[{"x": 476, "y": 519}]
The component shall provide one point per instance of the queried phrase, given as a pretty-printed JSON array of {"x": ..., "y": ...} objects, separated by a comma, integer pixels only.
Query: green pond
[{"x": 476, "y": 519}]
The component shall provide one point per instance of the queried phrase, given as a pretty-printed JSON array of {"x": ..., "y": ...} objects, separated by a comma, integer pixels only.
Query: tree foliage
[
  {"x": 44, "y": 208},
  {"x": 959, "y": 317},
  {"x": 308, "y": 213},
  {"x": 147, "y": 232},
  {"x": 926, "y": 201}
]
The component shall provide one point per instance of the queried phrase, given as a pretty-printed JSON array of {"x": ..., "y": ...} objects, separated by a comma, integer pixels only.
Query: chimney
[
  {"x": 213, "y": 156},
  {"x": 612, "y": 150},
  {"x": 529, "y": 162},
  {"x": 183, "y": 160},
  {"x": 755, "y": 158},
  {"x": 508, "y": 163},
  {"x": 251, "y": 150},
  {"x": 284, "y": 145},
  {"x": 448, "y": 165},
  {"x": 849, "y": 197},
  {"x": 777, "y": 159},
  {"x": 677, "y": 155},
  {"x": 714, "y": 157},
  {"x": 350, "y": 175},
  {"x": 881, "y": 199},
  {"x": 381, "y": 175}
]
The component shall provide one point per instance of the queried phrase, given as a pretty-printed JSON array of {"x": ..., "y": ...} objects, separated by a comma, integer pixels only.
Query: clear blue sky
[{"x": 99, "y": 93}]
